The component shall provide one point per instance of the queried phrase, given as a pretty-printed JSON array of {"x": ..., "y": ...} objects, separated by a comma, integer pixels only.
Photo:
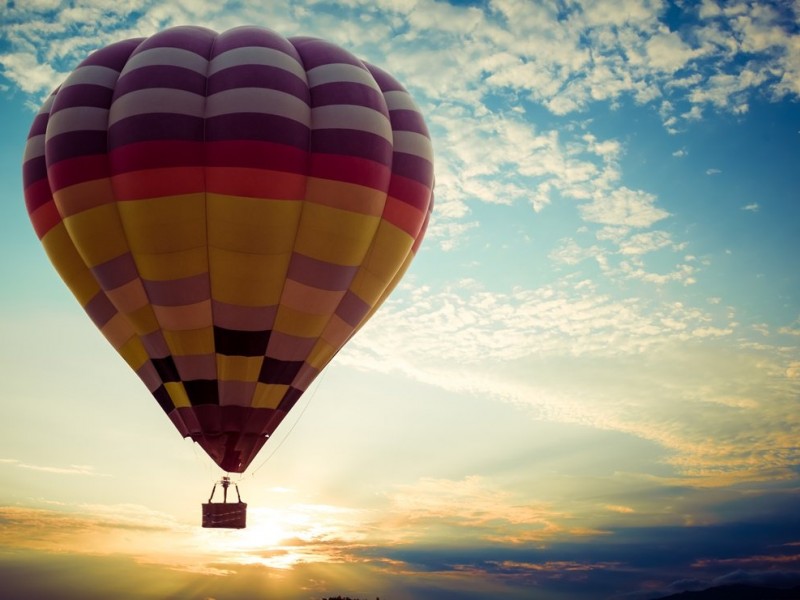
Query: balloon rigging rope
[{"x": 288, "y": 433}]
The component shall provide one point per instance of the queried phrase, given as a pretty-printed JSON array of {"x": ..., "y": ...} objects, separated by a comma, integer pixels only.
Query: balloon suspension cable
[{"x": 288, "y": 433}]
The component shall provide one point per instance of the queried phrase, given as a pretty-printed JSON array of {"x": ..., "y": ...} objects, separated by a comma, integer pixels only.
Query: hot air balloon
[{"x": 229, "y": 209}]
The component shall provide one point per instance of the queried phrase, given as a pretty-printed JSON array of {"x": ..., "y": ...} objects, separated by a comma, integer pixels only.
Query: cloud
[
  {"x": 474, "y": 507},
  {"x": 623, "y": 206},
  {"x": 668, "y": 373},
  {"x": 713, "y": 171},
  {"x": 752, "y": 207},
  {"x": 87, "y": 470}
]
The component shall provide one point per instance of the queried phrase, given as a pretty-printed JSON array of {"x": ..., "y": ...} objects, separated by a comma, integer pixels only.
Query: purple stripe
[
  {"x": 100, "y": 309},
  {"x": 74, "y": 144},
  {"x": 289, "y": 347},
  {"x": 33, "y": 170},
  {"x": 193, "y": 39},
  {"x": 347, "y": 92},
  {"x": 408, "y": 120},
  {"x": 386, "y": 82},
  {"x": 85, "y": 94},
  {"x": 155, "y": 126},
  {"x": 161, "y": 76},
  {"x": 236, "y": 393},
  {"x": 241, "y": 37},
  {"x": 178, "y": 292},
  {"x": 185, "y": 420},
  {"x": 290, "y": 398},
  {"x": 148, "y": 374},
  {"x": 352, "y": 309},
  {"x": 196, "y": 366},
  {"x": 413, "y": 167},
  {"x": 305, "y": 376},
  {"x": 320, "y": 274},
  {"x": 316, "y": 52},
  {"x": 259, "y": 76},
  {"x": 251, "y": 126},
  {"x": 39, "y": 125},
  {"x": 243, "y": 318},
  {"x": 155, "y": 345},
  {"x": 113, "y": 56},
  {"x": 349, "y": 142},
  {"x": 116, "y": 272}
]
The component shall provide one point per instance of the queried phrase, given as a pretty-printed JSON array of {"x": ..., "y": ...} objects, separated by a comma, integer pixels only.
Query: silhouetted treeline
[
  {"x": 344, "y": 598},
  {"x": 738, "y": 592}
]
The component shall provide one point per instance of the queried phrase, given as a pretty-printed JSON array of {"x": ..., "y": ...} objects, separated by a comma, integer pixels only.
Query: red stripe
[
  {"x": 156, "y": 154},
  {"x": 77, "y": 170},
  {"x": 154, "y": 183},
  {"x": 351, "y": 169},
  {"x": 421, "y": 234},
  {"x": 255, "y": 183},
  {"x": 257, "y": 155},
  {"x": 403, "y": 216},
  {"x": 410, "y": 191},
  {"x": 37, "y": 194},
  {"x": 227, "y": 153},
  {"x": 45, "y": 218}
]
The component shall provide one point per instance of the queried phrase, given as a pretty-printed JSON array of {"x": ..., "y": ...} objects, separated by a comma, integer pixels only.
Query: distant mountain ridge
[{"x": 739, "y": 592}]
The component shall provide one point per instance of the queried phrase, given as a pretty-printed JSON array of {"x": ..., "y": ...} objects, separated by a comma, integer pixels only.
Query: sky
[{"x": 587, "y": 386}]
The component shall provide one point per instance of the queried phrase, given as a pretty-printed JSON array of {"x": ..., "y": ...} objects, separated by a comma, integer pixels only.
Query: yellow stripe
[
  {"x": 134, "y": 353},
  {"x": 166, "y": 224},
  {"x": 177, "y": 393},
  {"x": 301, "y": 324},
  {"x": 190, "y": 341},
  {"x": 335, "y": 236},
  {"x": 97, "y": 234},
  {"x": 252, "y": 225},
  {"x": 389, "y": 250},
  {"x": 269, "y": 395},
  {"x": 247, "y": 279},
  {"x": 321, "y": 355},
  {"x": 163, "y": 267},
  {"x": 239, "y": 368},
  {"x": 70, "y": 266},
  {"x": 143, "y": 320}
]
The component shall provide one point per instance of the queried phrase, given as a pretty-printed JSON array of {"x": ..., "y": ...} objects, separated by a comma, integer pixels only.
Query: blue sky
[{"x": 587, "y": 385}]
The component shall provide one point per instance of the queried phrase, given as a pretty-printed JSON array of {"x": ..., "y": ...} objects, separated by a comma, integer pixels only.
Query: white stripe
[
  {"x": 255, "y": 55},
  {"x": 173, "y": 57},
  {"x": 410, "y": 142},
  {"x": 258, "y": 100},
  {"x": 156, "y": 100},
  {"x": 399, "y": 100},
  {"x": 92, "y": 74},
  {"x": 350, "y": 116},
  {"x": 48, "y": 104},
  {"x": 336, "y": 72},
  {"x": 77, "y": 118},
  {"x": 34, "y": 147}
]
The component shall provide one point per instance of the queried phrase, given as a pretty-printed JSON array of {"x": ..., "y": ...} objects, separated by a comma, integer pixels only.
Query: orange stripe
[
  {"x": 255, "y": 183},
  {"x": 154, "y": 183},
  {"x": 346, "y": 196},
  {"x": 83, "y": 196},
  {"x": 404, "y": 216},
  {"x": 45, "y": 218}
]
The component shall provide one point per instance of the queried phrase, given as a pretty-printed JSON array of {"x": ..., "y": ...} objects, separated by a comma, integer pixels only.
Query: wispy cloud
[
  {"x": 87, "y": 470},
  {"x": 752, "y": 207}
]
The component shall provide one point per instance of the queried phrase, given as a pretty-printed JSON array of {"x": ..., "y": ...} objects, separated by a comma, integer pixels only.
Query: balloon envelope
[{"x": 228, "y": 208}]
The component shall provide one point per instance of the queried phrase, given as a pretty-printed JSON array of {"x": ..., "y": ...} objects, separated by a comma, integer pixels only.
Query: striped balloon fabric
[{"x": 228, "y": 208}]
